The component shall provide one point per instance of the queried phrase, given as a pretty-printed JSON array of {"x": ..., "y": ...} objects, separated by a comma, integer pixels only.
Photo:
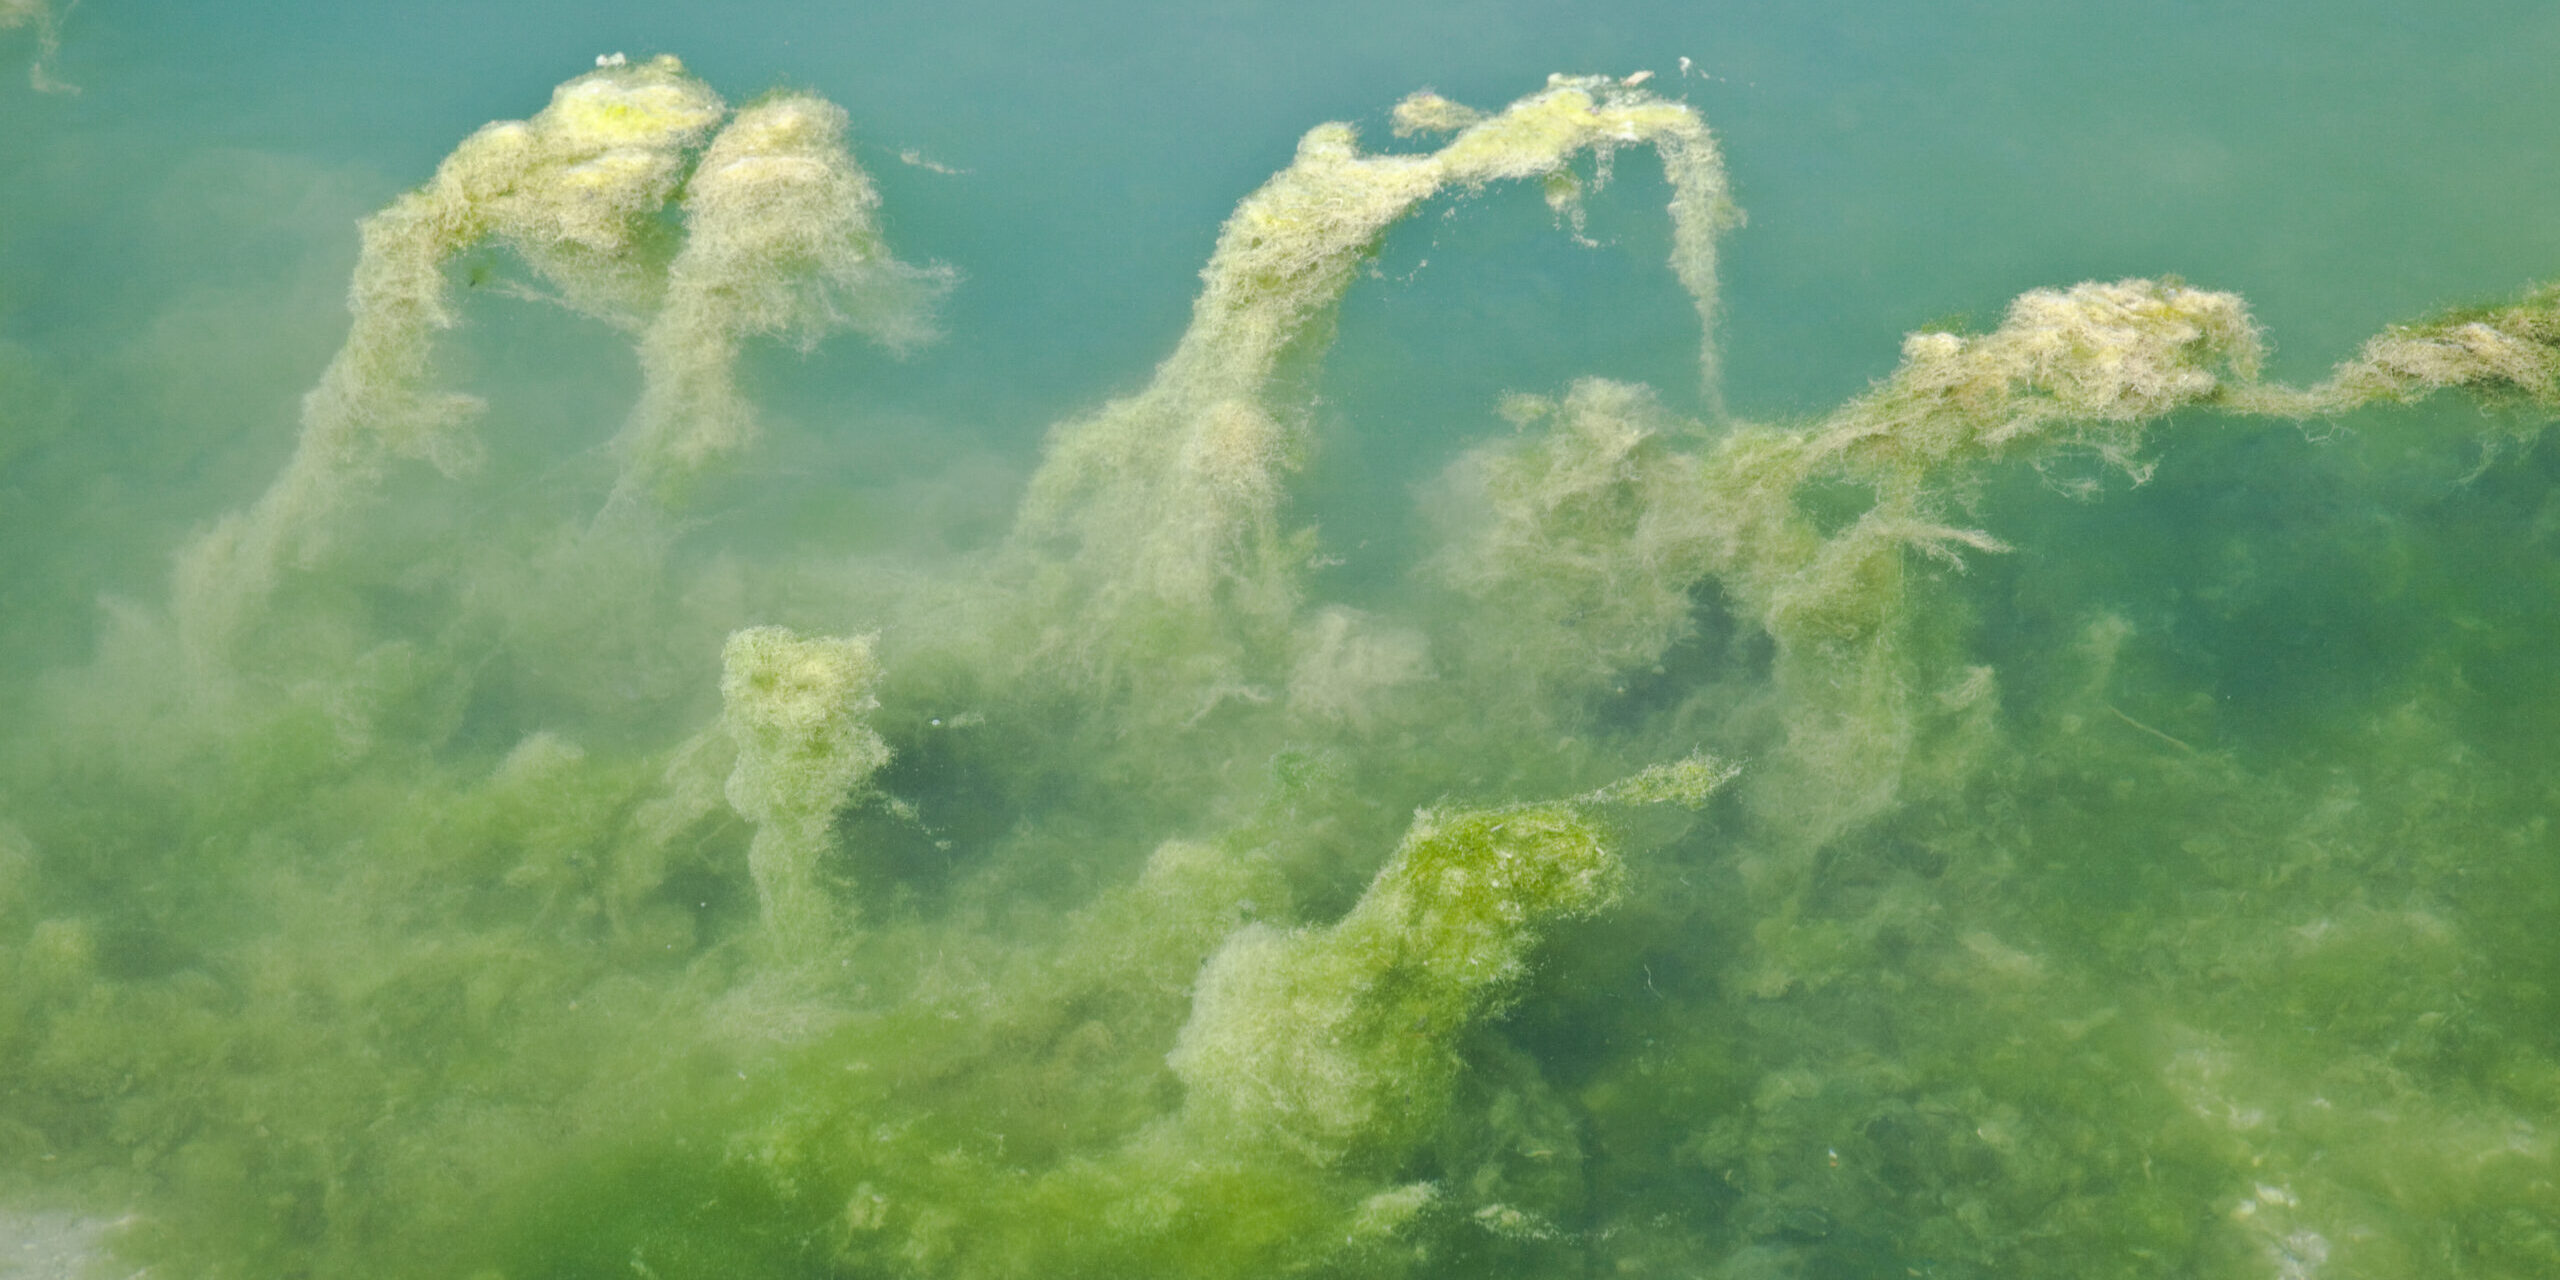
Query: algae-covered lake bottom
[{"x": 735, "y": 688}]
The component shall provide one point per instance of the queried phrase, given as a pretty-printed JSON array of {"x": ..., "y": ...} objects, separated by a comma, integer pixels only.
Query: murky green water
[{"x": 1352, "y": 761}]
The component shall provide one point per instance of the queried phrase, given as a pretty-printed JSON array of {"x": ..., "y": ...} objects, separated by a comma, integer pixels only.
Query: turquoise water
[{"x": 1231, "y": 811}]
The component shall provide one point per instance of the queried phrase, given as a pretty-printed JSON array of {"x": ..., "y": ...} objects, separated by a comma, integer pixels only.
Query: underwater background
[{"x": 906, "y": 728}]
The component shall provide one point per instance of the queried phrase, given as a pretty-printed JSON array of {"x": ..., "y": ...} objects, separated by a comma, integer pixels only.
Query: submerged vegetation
[{"x": 2049, "y": 816}]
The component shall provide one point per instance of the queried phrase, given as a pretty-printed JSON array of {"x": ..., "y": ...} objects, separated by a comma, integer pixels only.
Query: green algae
[{"x": 1109, "y": 902}]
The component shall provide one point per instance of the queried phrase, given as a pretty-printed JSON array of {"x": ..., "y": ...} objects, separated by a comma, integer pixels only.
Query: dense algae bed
[{"x": 1895, "y": 843}]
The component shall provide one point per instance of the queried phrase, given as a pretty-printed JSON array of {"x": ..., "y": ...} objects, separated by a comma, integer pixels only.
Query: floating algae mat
[{"x": 2079, "y": 806}]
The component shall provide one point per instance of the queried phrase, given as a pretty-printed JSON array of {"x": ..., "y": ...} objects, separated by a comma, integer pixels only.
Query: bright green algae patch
[{"x": 2052, "y": 815}]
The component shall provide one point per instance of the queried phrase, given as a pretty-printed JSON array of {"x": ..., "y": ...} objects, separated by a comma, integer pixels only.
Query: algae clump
[{"x": 794, "y": 709}]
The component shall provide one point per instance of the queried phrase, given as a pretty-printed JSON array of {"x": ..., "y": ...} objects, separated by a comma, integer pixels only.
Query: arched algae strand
[
  {"x": 779, "y": 240},
  {"x": 568, "y": 189},
  {"x": 1167, "y": 505},
  {"x": 587, "y": 1009}
]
